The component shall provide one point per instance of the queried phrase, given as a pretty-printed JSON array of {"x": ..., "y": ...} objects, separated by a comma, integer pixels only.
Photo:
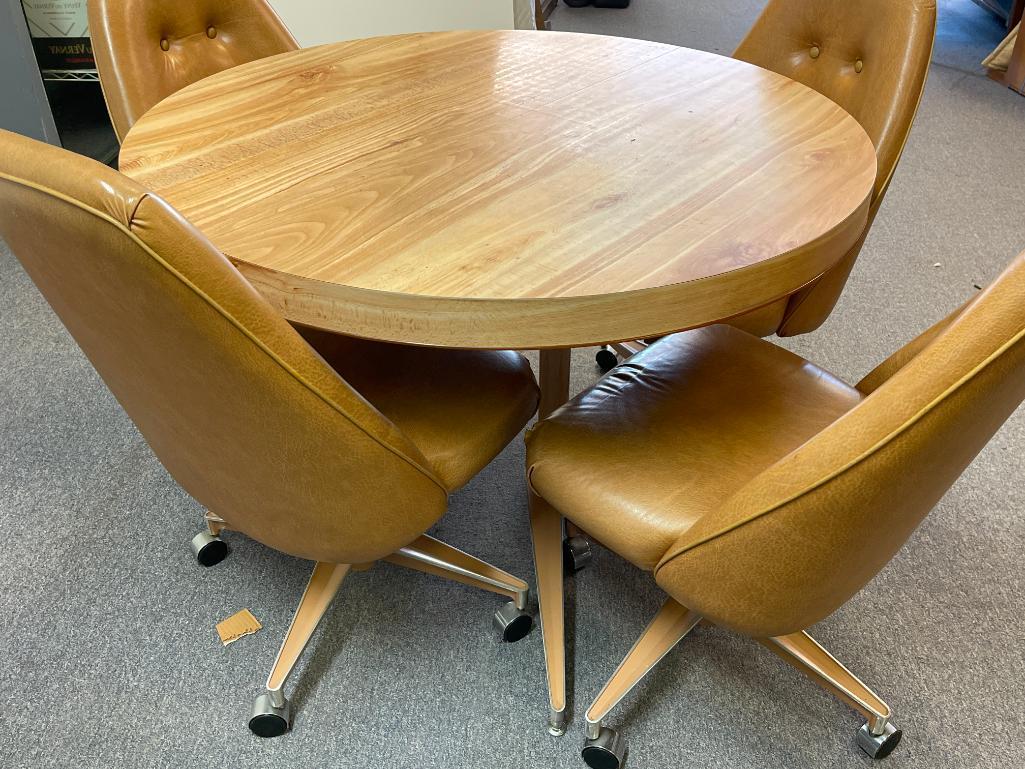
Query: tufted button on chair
[
  {"x": 761, "y": 492},
  {"x": 869, "y": 56},
  {"x": 343, "y": 455},
  {"x": 826, "y": 44},
  {"x": 148, "y": 49}
]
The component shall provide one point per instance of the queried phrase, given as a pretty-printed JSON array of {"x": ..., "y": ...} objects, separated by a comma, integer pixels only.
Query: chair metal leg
[
  {"x": 605, "y": 747},
  {"x": 878, "y": 737},
  {"x": 271, "y": 716},
  {"x": 432, "y": 556},
  {"x": 668, "y": 628},
  {"x": 628, "y": 349},
  {"x": 610, "y": 355},
  {"x": 546, "y": 531}
]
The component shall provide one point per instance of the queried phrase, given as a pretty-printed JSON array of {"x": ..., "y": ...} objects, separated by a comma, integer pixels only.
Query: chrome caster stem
[
  {"x": 879, "y": 743},
  {"x": 576, "y": 553},
  {"x": 513, "y": 622},
  {"x": 215, "y": 523},
  {"x": 209, "y": 549},
  {"x": 604, "y": 748},
  {"x": 557, "y": 723},
  {"x": 271, "y": 714}
]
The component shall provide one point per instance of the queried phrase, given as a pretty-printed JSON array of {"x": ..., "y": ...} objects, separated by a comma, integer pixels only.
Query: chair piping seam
[
  {"x": 126, "y": 229},
  {"x": 893, "y": 435}
]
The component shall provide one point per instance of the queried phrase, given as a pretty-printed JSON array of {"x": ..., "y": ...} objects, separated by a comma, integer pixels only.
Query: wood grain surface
[{"x": 510, "y": 189}]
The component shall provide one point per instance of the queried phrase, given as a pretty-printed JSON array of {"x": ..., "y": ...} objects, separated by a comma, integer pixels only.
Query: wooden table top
[{"x": 510, "y": 189}]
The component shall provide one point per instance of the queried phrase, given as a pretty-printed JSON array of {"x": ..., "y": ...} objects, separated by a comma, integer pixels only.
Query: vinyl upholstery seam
[
  {"x": 865, "y": 455},
  {"x": 126, "y": 229}
]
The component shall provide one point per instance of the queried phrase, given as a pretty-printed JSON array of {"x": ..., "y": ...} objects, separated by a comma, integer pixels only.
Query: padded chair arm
[{"x": 881, "y": 373}]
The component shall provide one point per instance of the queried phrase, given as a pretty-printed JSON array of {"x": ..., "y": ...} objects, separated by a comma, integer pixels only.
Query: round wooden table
[{"x": 512, "y": 190}]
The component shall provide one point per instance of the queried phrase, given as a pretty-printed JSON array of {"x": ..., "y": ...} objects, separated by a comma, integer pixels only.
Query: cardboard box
[{"x": 60, "y": 33}]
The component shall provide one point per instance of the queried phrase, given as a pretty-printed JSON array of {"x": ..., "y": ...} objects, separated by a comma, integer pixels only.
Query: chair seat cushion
[
  {"x": 669, "y": 434},
  {"x": 459, "y": 407}
]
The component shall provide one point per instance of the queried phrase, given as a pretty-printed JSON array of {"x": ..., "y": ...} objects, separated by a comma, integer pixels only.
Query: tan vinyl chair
[
  {"x": 148, "y": 49},
  {"x": 761, "y": 491},
  {"x": 871, "y": 57},
  {"x": 343, "y": 459}
]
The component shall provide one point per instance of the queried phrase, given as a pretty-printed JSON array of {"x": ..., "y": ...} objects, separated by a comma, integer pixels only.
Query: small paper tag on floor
[{"x": 237, "y": 625}]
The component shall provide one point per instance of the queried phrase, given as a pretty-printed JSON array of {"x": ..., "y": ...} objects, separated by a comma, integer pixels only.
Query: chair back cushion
[
  {"x": 869, "y": 56},
  {"x": 242, "y": 412},
  {"x": 798, "y": 540},
  {"x": 148, "y": 49}
]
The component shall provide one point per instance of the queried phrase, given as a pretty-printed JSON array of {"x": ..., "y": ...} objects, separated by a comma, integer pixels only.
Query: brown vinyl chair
[
  {"x": 343, "y": 459},
  {"x": 871, "y": 57},
  {"x": 761, "y": 491},
  {"x": 147, "y": 50}
]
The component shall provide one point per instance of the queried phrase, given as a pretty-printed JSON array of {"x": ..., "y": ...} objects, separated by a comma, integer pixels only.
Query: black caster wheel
[
  {"x": 268, "y": 719},
  {"x": 209, "y": 550},
  {"x": 879, "y": 745},
  {"x": 606, "y": 751},
  {"x": 576, "y": 553},
  {"x": 513, "y": 623},
  {"x": 606, "y": 360}
]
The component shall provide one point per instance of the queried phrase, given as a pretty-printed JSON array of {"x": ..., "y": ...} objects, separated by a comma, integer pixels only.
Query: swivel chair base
[
  {"x": 605, "y": 748},
  {"x": 271, "y": 715}
]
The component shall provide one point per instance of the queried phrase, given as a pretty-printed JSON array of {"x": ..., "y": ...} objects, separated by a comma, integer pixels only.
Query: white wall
[{"x": 326, "y": 21}]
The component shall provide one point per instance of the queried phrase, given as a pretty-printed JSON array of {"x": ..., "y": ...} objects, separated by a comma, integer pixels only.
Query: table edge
[{"x": 556, "y": 322}]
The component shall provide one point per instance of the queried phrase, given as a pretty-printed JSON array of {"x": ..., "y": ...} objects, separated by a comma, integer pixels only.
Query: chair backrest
[
  {"x": 869, "y": 56},
  {"x": 148, "y": 49},
  {"x": 242, "y": 412},
  {"x": 803, "y": 536}
]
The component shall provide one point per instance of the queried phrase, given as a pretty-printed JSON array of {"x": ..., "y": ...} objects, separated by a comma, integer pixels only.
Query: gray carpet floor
[{"x": 110, "y": 658}]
